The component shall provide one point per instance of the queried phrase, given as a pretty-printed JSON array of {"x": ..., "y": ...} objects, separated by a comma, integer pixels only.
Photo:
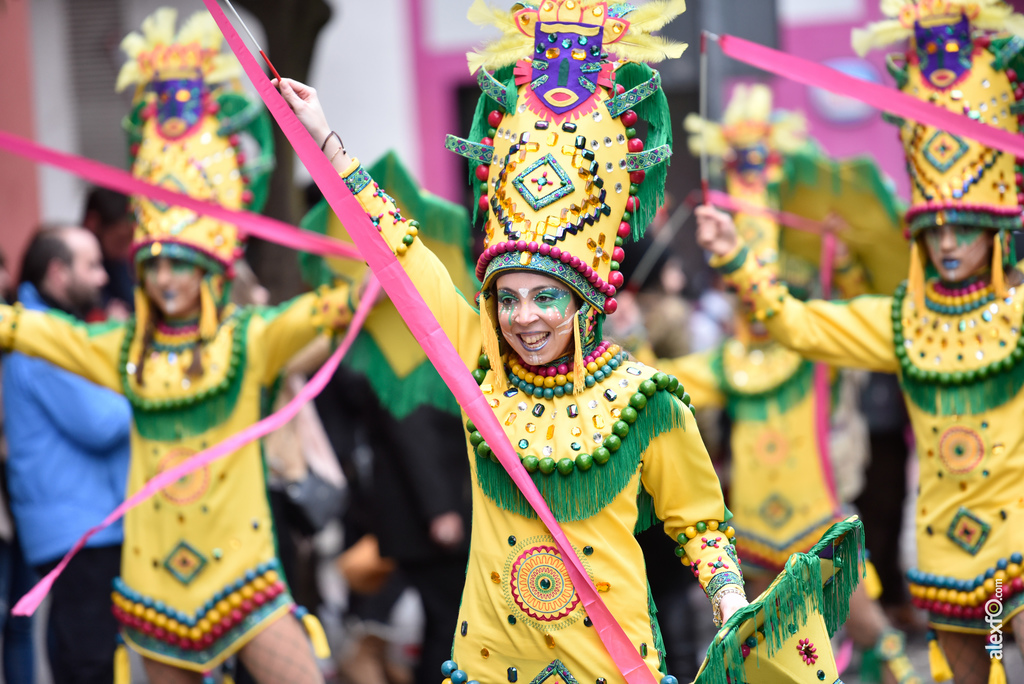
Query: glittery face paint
[
  {"x": 958, "y": 252},
  {"x": 173, "y": 287},
  {"x": 536, "y": 314}
]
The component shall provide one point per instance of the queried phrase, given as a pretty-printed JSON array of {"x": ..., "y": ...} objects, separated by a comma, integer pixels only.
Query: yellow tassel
[
  {"x": 227, "y": 679},
  {"x": 316, "y": 636},
  {"x": 998, "y": 277},
  {"x": 579, "y": 371},
  {"x": 207, "y": 311},
  {"x": 489, "y": 338},
  {"x": 122, "y": 665},
  {"x": 996, "y": 673},
  {"x": 872, "y": 583},
  {"x": 915, "y": 279},
  {"x": 938, "y": 663}
]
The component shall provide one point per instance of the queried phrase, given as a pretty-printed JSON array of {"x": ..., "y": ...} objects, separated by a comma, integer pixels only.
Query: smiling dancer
[
  {"x": 200, "y": 580},
  {"x": 954, "y": 336},
  {"x": 562, "y": 184}
]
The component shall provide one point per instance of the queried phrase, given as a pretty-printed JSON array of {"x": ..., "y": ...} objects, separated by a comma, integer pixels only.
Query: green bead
[
  {"x": 470, "y": 426},
  {"x": 648, "y": 388},
  {"x": 629, "y": 415},
  {"x": 634, "y": 189},
  {"x": 479, "y": 374},
  {"x": 638, "y": 401},
  {"x": 615, "y": 266},
  {"x": 491, "y": 132},
  {"x": 681, "y": 538},
  {"x": 531, "y": 463},
  {"x": 612, "y": 442},
  {"x": 619, "y": 242},
  {"x": 702, "y": 527},
  {"x": 680, "y": 552},
  {"x": 483, "y": 450},
  {"x": 958, "y": 378},
  {"x": 673, "y": 382},
  {"x": 626, "y": 216},
  {"x": 660, "y": 380},
  {"x": 475, "y": 438},
  {"x": 630, "y": 132},
  {"x": 407, "y": 240},
  {"x": 547, "y": 465},
  {"x": 601, "y": 455},
  {"x": 565, "y": 466},
  {"x": 970, "y": 376},
  {"x": 620, "y": 428},
  {"x": 685, "y": 398},
  {"x": 584, "y": 462},
  {"x": 483, "y": 362}
]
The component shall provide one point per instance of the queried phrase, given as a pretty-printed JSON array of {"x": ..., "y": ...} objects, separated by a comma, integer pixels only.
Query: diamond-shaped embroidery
[
  {"x": 943, "y": 150},
  {"x": 968, "y": 531},
  {"x": 555, "y": 673},
  {"x": 543, "y": 182},
  {"x": 184, "y": 562},
  {"x": 776, "y": 511}
]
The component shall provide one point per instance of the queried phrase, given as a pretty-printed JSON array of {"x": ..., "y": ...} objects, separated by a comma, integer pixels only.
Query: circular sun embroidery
[{"x": 961, "y": 449}]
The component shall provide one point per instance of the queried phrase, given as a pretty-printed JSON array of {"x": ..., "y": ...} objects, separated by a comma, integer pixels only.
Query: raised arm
[
  {"x": 458, "y": 317},
  {"x": 91, "y": 351},
  {"x": 855, "y": 334},
  {"x": 696, "y": 373}
]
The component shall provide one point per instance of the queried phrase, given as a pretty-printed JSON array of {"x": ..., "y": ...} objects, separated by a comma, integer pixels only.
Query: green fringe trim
[
  {"x": 400, "y": 396},
  {"x": 756, "y": 407},
  {"x": 659, "y": 641},
  {"x": 654, "y": 110},
  {"x": 956, "y": 393},
  {"x": 796, "y": 596},
  {"x": 646, "y": 516},
  {"x": 174, "y": 419},
  {"x": 478, "y": 131},
  {"x": 259, "y": 127},
  {"x": 583, "y": 494}
]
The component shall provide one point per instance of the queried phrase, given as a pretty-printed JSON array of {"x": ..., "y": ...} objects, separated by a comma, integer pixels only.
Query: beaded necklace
[
  {"x": 175, "y": 336},
  {"x": 553, "y": 380},
  {"x": 949, "y": 300}
]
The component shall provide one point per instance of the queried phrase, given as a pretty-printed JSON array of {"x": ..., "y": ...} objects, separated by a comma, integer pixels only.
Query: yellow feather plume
[
  {"x": 650, "y": 49},
  {"x": 202, "y": 29},
  {"x": 992, "y": 15},
  {"x": 482, "y": 14},
  {"x": 878, "y": 35},
  {"x": 705, "y": 137},
  {"x": 158, "y": 28},
  {"x": 508, "y": 49},
  {"x": 748, "y": 103},
  {"x": 654, "y": 15}
]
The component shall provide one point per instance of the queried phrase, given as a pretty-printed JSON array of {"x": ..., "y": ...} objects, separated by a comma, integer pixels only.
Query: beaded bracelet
[
  {"x": 716, "y": 601},
  {"x": 411, "y": 231}
]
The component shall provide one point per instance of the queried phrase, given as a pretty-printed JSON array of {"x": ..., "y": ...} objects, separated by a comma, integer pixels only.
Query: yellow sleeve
[
  {"x": 695, "y": 373},
  {"x": 293, "y": 325},
  {"x": 678, "y": 474},
  {"x": 459, "y": 319},
  {"x": 854, "y": 334},
  {"x": 850, "y": 278},
  {"x": 92, "y": 351}
]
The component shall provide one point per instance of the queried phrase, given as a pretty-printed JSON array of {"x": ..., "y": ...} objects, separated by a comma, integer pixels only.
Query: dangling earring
[
  {"x": 998, "y": 276},
  {"x": 207, "y": 311},
  {"x": 915, "y": 279}
]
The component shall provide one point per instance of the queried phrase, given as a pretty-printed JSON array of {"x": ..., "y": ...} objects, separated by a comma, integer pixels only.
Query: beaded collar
[
  {"x": 946, "y": 299},
  {"x": 175, "y": 336},
  {"x": 554, "y": 380}
]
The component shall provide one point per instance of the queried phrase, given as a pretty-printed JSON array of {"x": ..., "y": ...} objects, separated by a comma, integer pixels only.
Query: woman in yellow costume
[
  {"x": 563, "y": 180},
  {"x": 200, "y": 578},
  {"x": 782, "y": 488},
  {"x": 952, "y": 333}
]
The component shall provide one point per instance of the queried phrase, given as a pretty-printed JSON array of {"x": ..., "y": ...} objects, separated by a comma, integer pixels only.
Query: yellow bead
[
  {"x": 1013, "y": 570},
  {"x": 214, "y": 615},
  {"x": 690, "y": 532},
  {"x": 538, "y": 380},
  {"x": 224, "y": 607},
  {"x": 247, "y": 592},
  {"x": 930, "y": 593},
  {"x": 203, "y": 625},
  {"x": 401, "y": 249},
  {"x": 271, "y": 576},
  {"x": 730, "y": 532},
  {"x": 161, "y": 620},
  {"x": 413, "y": 230},
  {"x": 942, "y": 595},
  {"x": 961, "y": 598},
  {"x": 549, "y": 382},
  {"x": 194, "y": 634},
  {"x": 990, "y": 586},
  {"x": 259, "y": 584},
  {"x": 606, "y": 356},
  {"x": 1000, "y": 576},
  {"x": 591, "y": 366},
  {"x": 560, "y": 380},
  {"x": 172, "y": 626},
  {"x": 234, "y": 599},
  {"x": 712, "y": 525},
  {"x": 138, "y": 610},
  {"x": 529, "y": 378}
]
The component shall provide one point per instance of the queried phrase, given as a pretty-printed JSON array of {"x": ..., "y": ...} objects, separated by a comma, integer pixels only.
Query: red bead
[
  {"x": 135, "y": 149},
  {"x": 610, "y": 305},
  {"x": 207, "y": 640},
  {"x": 628, "y": 118},
  {"x": 160, "y": 633},
  {"x": 1017, "y": 584},
  {"x": 632, "y": 203},
  {"x": 544, "y": 249},
  {"x": 483, "y": 203},
  {"x": 236, "y": 616},
  {"x": 247, "y": 196},
  {"x": 615, "y": 279},
  {"x": 574, "y": 262},
  {"x": 147, "y": 627},
  {"x": 1011, "y": 74},
  {"x": 248, "y": 606},
  {"x": 533, "y": 247},
  {"x": 494, "y": 118},
  {"x": 744, "y": 650},
  {"x": 635, "y": 145},
  {"x": 618, "y": 254},
  {"x": 612, "y": 290},
  {"x": 592, "y": 278},
  {"x": 619, "y": 88},
  {"x": 487, "y": 141},
  {"x": 225, "y": 622},
  {"x": 566, "y": 257},
  {"x": 556, "y": 253},
  {"x": 234, "y": 140},
  {"x": 240, "y": 157},
  {"x": 521, "y": 245},
  {"x": 625, "y": 228},
  {"x": 212, "y": 106},
  {"x": 482, "y": 172},
  {"x": 637, "y": 177},
  {"x": 563, "y": 369},
  {"x": 148, "y": 112},
  {"x": 217, "y": 630}
]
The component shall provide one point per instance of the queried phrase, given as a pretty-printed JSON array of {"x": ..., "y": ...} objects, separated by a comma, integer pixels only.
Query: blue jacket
[{"x": 69, "y": 444}]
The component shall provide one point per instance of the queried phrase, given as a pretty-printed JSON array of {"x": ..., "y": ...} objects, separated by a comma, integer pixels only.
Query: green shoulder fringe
[
  {"x": 174, "y": 419},
  {"x": 480, "y": 127},
  {"x": 582, "y": 494},
  {"x": 755, "y": 407},
  {"x": 960, "y": 392},
  {"x": 654, "y": 110},
  {"x": 795, "y": 597}
]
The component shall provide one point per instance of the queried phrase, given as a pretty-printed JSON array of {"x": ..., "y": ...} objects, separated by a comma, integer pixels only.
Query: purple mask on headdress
[
  {"x": 944, "y": 51},
  {"x": 179, "y": 104},
  {"x": 566, "y": 66}
]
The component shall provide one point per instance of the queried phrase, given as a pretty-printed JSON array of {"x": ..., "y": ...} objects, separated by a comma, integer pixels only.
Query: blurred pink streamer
[
  {"x": 436, "y": 345},
  {"x": 249, "y": 223},
  {"x": 30, "y": 601}
]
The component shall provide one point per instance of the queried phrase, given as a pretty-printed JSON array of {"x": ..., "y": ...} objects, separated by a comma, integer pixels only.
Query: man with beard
[{"x": 69, "y": 446}]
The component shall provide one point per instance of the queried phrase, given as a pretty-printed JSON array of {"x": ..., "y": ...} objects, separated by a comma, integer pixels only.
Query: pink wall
[
  {"x": 19, "y": 193},
  {"x": 875, "y": 138}
]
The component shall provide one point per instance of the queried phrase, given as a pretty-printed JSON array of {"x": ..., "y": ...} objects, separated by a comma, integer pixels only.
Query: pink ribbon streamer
[
  {"x": 30, "y": 601},
  {"x": 822, "y": 393},
  {"x": 436, "y": 345},
  {"x": 878, "y": 96},
  {"x": 727, "y": 201},
  {"x": 249, "y": 223}
]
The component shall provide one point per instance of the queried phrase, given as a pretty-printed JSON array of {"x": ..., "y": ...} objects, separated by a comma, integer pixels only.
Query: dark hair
[
  {"x": 109, "y": 205},
  {"x": 47, "y": 244}
]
